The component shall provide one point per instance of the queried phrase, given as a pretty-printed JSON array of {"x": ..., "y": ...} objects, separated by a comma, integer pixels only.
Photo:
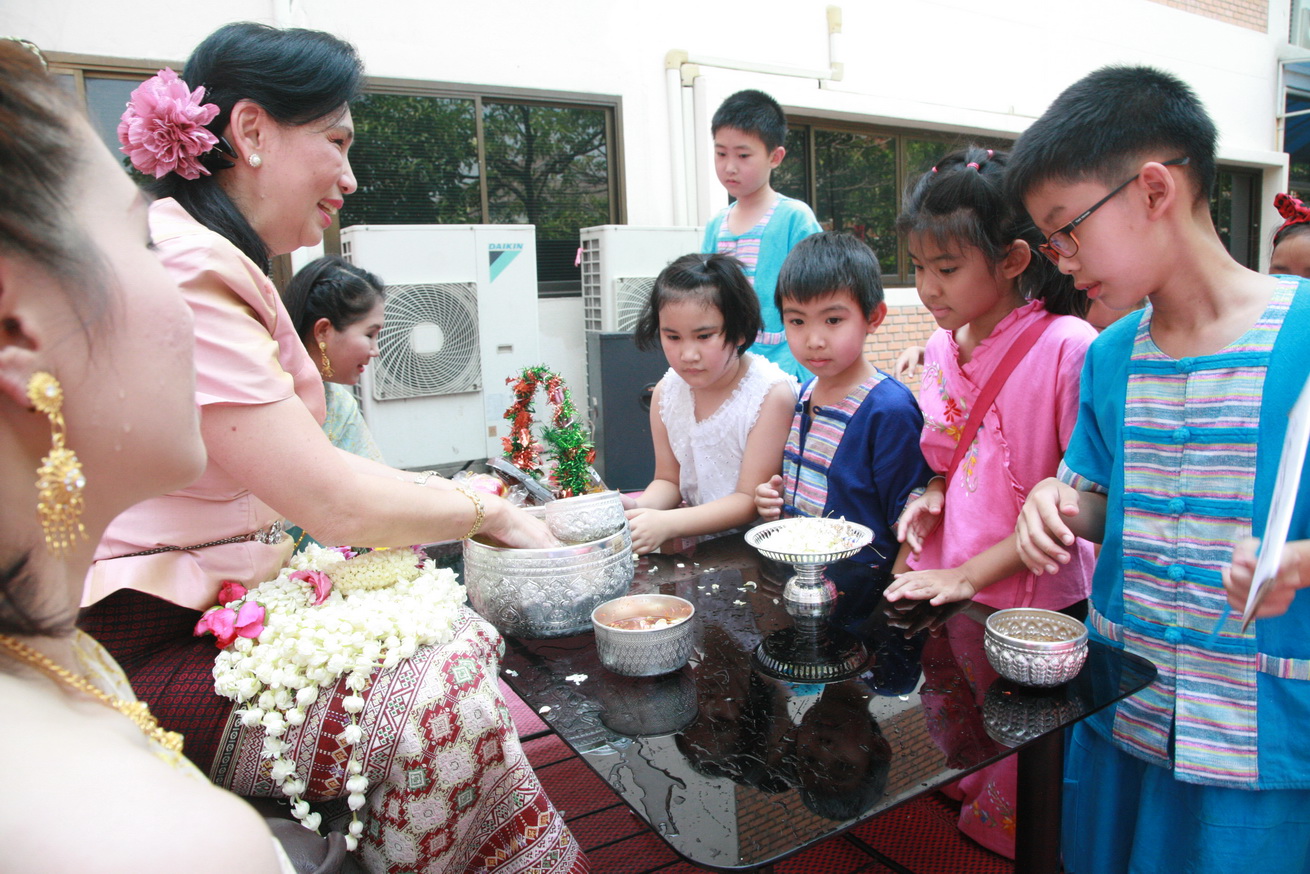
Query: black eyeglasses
[{"x": 1063, "y": 244}]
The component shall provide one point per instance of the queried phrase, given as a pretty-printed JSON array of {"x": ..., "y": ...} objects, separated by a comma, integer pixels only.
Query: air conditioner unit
[
  {"x": 619, "y": 265},
  {"x": 461, "y": 317}
]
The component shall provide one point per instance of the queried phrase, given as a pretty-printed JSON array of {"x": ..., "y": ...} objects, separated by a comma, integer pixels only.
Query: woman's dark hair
[
  {"x": 962, "y": 202},
  {"x": 40, "y": 169},
  {"x": 330, "y": 288},
  {"x": 297, "y": 76},
  {"x": 716, "y": 281}
]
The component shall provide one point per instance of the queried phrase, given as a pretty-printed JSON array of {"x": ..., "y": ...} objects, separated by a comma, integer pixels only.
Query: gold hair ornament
[
  {"x": 59, "y": 480},
  {"x": 327, "y": 362}
]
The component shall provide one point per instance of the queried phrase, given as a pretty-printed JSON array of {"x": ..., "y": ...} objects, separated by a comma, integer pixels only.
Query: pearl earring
[{"x": 254, "y": 160}]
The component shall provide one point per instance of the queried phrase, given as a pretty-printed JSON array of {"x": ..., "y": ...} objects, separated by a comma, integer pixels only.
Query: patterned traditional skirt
[{"x": 450, "y": 789}]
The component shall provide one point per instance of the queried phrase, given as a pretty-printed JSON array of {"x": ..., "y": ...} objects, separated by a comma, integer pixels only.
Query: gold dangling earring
[
  {"x": 326, "y": 370},
  {"x": 59, "y": 479}
]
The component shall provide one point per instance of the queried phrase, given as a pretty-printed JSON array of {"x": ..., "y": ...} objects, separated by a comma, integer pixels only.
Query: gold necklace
[{"x": 137, "y": 711}]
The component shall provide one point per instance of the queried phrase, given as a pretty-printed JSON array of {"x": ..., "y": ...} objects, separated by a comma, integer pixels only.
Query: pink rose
[
  {"x": 163, "y": 128},
  {"x": 319, "y": 581},
  {"x": 231, "y": 591},
  {"x": 250, "y": 619},
  {"x": 346, "y": 551},
  {"x": 221, "y": 622}
]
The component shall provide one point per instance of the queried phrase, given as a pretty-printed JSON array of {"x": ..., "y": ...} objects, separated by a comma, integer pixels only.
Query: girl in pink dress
[{"x": 977, "y": 272}]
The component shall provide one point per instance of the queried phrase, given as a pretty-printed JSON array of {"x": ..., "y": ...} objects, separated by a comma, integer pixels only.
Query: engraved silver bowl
[
  {"x": 646, "y": 652},
  {"x": 1035, "y": 647},
  {"x": 583, "y": 518},
  {"x": 809, "y": 544},
  {"x": 538, "y": 593}
]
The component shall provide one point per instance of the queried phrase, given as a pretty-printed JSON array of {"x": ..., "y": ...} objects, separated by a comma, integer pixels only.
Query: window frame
[
  {"x": 615, "y": 169},
  {"x": 79, "y": 66}
]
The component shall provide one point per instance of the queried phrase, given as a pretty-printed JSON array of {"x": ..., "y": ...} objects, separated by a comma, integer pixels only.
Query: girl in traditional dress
[
  {"x": 992, "y": 297},
  {"x": 249, "y": 153},
  {"x": 337, "y": 311},
  {"x": 87, "y": 310},
  {"x": 719, "y": 417}
]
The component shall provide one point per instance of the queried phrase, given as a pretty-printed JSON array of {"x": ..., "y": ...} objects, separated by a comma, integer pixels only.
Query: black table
[{"x": 736, "y": 768}]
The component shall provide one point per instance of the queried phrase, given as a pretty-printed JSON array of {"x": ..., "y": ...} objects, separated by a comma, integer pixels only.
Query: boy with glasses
[{"x": 1171, "y": 464}]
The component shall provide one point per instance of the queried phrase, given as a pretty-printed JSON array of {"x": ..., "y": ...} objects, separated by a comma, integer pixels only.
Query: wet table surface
[{"x": 740, "y": 759}]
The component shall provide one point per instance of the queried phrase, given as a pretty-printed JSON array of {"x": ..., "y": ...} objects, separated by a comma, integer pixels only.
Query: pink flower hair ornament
[{"x": 163, "y": 128}]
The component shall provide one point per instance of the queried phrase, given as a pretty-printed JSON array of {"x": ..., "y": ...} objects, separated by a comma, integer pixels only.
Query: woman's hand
[
  {"x": 512, "y": 527},
  {"x": 921, "y": 517},
  {"x": 937, "y": 587},
  {"x": 648, "y": 529},
  {"x": 1042, "y": 537},
  {"x": 1292, "y": 575},
  {"x": 628, "y": 501},
  {"x": 768, "y": 499}
]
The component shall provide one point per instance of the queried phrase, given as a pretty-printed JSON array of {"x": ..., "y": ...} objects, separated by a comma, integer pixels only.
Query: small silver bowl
[
  {"x": 643, "y": 652},
  {"x": 1035, "y": 647},
  {"x": 583, "y": 518}
]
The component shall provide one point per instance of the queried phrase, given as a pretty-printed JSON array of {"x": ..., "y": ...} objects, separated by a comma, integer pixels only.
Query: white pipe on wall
[{"x": 677, "y": 142}]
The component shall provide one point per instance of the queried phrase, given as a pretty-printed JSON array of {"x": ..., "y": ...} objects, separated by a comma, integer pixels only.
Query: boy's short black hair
[
  {"x": 717, "y": 281},
  {"x": 822, "y": 264},
  {"x": 1104, "y": 126},
  {"x": 753, "y": 112}
]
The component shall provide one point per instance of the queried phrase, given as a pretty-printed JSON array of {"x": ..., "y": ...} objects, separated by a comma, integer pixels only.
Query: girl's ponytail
[
  {"x": 962, "y": 202},
  {"x": 716, "y": 281}
]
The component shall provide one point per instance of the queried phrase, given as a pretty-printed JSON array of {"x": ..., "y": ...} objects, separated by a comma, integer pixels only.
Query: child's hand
[
  {"x": 768, "y": 499},
  {"x": 1042, "y": 536},
  {"x": 629, "y": 501},
  {"x": 648, "y": 529},
  {"x": 937, "y": 587},
  {"x": 907, "y": 363},
  {"x": 920, "y": 518},
  {"x": 1293, "y": 574}
]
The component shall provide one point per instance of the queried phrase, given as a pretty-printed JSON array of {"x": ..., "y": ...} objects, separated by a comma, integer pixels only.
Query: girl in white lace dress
[{"x": 719, "y": 417}]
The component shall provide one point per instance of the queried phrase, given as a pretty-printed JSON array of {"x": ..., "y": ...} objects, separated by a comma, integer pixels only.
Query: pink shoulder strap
[{"x": 1018, "y": 349}]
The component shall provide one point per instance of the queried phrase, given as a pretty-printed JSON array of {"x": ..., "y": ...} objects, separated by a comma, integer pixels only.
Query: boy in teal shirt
[{"x": 760, "y": 226}]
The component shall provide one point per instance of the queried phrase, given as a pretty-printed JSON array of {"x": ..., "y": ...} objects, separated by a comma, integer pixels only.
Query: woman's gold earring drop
[
  {"x": 254, "y": 160},
  {"x": 59, "y": 479},
  {"x": 326, "y": 369}
]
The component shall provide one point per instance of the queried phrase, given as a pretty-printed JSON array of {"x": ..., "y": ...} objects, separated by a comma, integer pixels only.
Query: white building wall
[{"x": 953, "y": 65}]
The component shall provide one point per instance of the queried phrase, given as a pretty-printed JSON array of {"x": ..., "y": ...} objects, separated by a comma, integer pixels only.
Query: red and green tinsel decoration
[{"x": 568, "y": 437}]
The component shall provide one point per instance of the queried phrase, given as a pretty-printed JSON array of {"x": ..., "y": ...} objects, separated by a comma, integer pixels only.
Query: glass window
[
  {"x": 548, "y": 166},
  {"x": 854, "y": 178},
  {"x": 1296, "y": 142},
  {"x": 416, "y": 161},
  {"x": 1235, "y": 209}
]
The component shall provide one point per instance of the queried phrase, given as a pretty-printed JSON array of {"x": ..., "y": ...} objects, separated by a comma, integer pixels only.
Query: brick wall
[
  {"x": 1253, "y": 14},
  {"x": 904, "y": 326}
]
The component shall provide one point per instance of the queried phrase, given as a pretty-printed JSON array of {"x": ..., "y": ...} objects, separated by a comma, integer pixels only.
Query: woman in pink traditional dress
[
  {"x": 249, "y": 154},
  {"x": 976, "y": 271},
  {"x": 87, "y": 309}
]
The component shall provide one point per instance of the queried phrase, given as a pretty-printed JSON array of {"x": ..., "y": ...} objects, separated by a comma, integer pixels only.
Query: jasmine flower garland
[{"x": 330, "y": 614}]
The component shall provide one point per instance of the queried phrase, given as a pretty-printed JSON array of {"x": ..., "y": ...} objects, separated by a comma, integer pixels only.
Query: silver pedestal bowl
[{"x": 808, "y": 545}]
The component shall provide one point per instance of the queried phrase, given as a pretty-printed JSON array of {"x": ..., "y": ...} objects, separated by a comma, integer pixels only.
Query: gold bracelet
[
  {"x": 480, "y": 511},
  {"x": 425, "y": 476}
]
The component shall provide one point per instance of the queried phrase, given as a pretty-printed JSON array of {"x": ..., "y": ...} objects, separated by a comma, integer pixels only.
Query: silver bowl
[
  {"x": 808, "y": 544},
  {"x": 583, "y": 518},
  {"x": 537, "y": 593},
  {"x": 1035, "y": 647},
  {"x": 645, "y": 652}
]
